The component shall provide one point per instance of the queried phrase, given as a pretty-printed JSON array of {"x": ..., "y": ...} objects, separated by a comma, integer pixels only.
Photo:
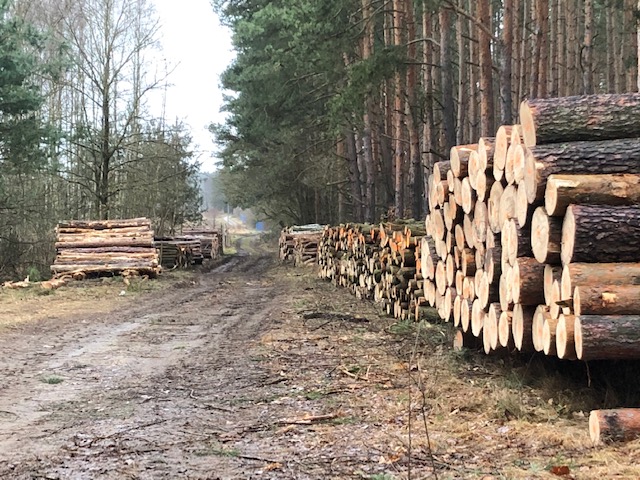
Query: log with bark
[
  {"x": 614, "y": 425},
  {"x": 595, "y": 233},
  {"x": 585, "y": 117}
]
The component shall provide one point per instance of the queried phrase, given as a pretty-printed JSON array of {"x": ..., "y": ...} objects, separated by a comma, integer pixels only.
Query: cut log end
[
  {"x": 617, "y": 425},
  {"x": 528, "y": 126},
  {"x": 568, "y": 236}
]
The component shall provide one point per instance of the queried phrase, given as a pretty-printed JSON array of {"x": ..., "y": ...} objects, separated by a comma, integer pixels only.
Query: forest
[
  {"x": 77, "y": 137},
  {"x": 339, "y": 109}
]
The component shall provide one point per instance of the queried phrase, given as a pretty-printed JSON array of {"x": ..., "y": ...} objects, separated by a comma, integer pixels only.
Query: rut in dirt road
[{"x": 143, "y": 392}]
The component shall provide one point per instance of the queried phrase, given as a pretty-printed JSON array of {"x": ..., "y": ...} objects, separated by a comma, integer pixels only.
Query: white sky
[{"x": 194, "y": 41}]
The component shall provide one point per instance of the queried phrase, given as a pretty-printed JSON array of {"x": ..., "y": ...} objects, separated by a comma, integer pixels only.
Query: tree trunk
[
  {"x": 398, "y": 149},
  {"x": 446, "y": 68},
  {"x": 587, "y": 49},
  {"x": 606, "y": 300},
  {"x": 506, "y": 101},
  {"x": 487, "y": 120},
  {"x": 588, "y": 274}
]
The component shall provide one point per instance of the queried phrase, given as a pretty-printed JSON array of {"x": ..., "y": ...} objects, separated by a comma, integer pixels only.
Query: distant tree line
[
  {"x": 77, "y": 140},
  {"x": 339, "y": 108}
]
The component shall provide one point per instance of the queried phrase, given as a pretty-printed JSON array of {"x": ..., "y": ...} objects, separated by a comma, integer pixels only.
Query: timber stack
[
  {"x": 211, "y": 241},
  {"x": 299, "y": 244},
  {"x": 105, "y": 247},
  {"x": 537, "y": 230},
  {"x": 532, "y": 241},
  {"x": 179, "y": 252},
  {"x": 380, "y": 262}
]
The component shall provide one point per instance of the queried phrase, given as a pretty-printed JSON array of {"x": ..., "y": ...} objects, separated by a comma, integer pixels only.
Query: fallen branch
[{"x": 308, "y": 419}]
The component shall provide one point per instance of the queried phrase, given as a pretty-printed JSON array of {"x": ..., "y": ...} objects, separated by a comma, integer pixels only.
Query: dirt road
[{"x": 255, "y": 370}]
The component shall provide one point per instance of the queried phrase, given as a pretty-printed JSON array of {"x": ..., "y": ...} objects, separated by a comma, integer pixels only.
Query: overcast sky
[{"x": 194, "y": 42}]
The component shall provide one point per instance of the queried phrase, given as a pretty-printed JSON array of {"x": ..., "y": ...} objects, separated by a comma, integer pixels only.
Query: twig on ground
[{"x": 308, "y": 419}]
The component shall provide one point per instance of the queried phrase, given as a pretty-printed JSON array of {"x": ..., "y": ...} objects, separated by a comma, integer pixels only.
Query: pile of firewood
[
  {"x": 537, "y": 231},
  {"x": 299, "y": 244},
  {"x": 104, "y": 247}
]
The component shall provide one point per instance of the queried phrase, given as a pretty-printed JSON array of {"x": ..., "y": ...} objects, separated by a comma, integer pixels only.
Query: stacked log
[
  {"x": 532, "y": 241},
  {"x": 381, "y": 262},
  {"x": 512, "y": 216},
  {"x": 299, "y": 244},
  {"x": 179, "y": 252},
  {"x": 211, "y": 241},
  {"x": 105, "y": 247}
]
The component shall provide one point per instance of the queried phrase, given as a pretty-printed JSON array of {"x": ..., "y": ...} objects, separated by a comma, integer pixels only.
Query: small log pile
[
  {"x": 211, "y": 241},
  {"x": 179, "y": 252},
  {"x": 299, "y": 244},
  {"x": 381, "y": 262},
  {"x": 105, "y": 247}
]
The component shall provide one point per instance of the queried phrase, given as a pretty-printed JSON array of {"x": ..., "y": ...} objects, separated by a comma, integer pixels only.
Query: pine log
[
  {"x": 540, "y": 316},
  {"x": 587, "y": 274},
  {"x": 493, "y": 207},
  {"x": 514, "y": 165},
  {"x": 607, "y": 337},
  {"x": 552, "y": 273},
  {"x": 477, "y": 317},
  {"x": 486, "y": 149},
  {"x": 524, "y": 211},
  {"x": 489, "y": 332},
  {"x": 505, "y": 337},
  {"x": 592, "y": 233},
  {"x": 549, "y": 336},
  {"x": 465, "y": 340},
  {"x": 465, "y": 315},
  {"x": 618, "y": 425},
  {"x": 505, "y": 135},
  {"x": 507, "y": 209},
  {"x": 468, "y": 196},
  {"x": 598, "y": 299},
  {"x": 459, "y": 158},
  {"x": 546, "y": 237},
  {"x": 480, "y": 222},
  {"x": 603, "y": 157},
  {"x": 516, "y": 241},
  {"x": 522, "y": 321},
  {"x": 604, "y": 116},
  {"x": 565, "y": 338},
  {"x": 528, "y": 281},
  {"x": 484, "y": 182},
  {"x": 563, "y": 190}
]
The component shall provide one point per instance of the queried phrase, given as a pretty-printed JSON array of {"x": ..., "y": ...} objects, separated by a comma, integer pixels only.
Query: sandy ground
[{"x": 256, "y": 370}]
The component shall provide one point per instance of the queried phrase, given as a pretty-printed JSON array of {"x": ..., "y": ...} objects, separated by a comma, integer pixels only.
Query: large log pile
[
  {"x": 532, "y": 241},
  {"x": 544, "y": 238},
  {"x": 179, "y": 252},
  {"x": 533, "y": 237},
  {"x": 105, "y": 247},
  {"x": 299, "y": 244}
]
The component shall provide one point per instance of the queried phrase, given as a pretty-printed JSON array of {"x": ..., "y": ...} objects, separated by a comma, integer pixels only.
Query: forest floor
[{"x": 256, "y": 370}]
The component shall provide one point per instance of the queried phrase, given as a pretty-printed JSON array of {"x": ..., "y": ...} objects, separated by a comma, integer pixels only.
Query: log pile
[
  {"x": 179, "y": 252},
  {"x": 532, "y": 242},
  {"x": 211, "y": 241},
  {"x": 105, "y": 247},
  {"x": 299, "y": 244},
  {"x": 380, "y": 262},
  {"x": 541, "y": 227}
]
